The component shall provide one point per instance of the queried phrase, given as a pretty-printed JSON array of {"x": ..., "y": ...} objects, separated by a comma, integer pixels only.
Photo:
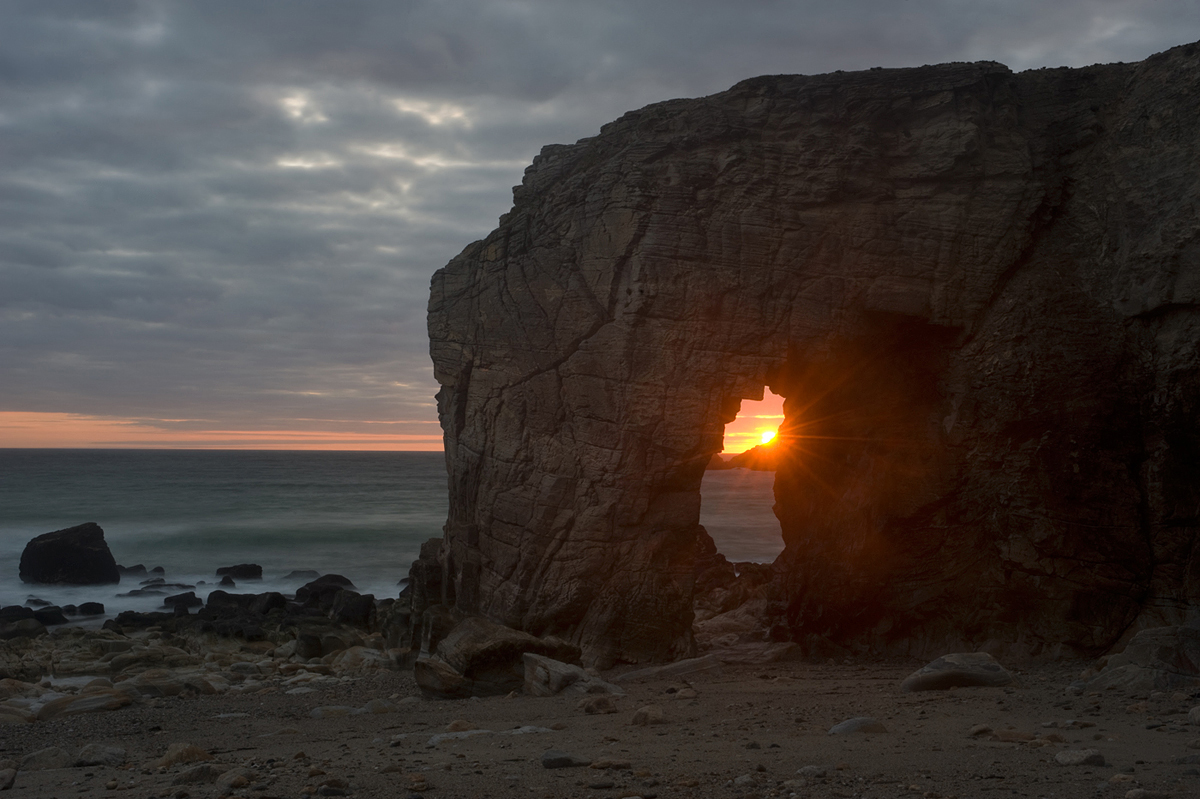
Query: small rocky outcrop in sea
[
  {"x": 74, "y": 556},
  {"x": 242, "y": 571}
]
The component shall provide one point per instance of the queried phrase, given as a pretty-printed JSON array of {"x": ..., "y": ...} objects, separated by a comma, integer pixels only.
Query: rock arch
[{"x": 978, "y": 290}]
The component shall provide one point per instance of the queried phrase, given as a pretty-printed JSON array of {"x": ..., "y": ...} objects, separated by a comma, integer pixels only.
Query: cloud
[{"x": 230, "y": 211}]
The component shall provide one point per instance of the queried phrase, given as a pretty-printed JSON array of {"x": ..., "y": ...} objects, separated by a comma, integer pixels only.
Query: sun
[{"x": 768, "y": 436}]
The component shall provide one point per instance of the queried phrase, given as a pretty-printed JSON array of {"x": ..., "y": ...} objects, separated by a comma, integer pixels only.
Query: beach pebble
[
  {"x": 1080, "y": 757},
  {"x": 7, "y": 777},
  {"x": 611, "y": 764},
  {"x": 1194, "y": 715},
  {"x": 461, "y": 725},
  {"x": 962, "y": 669},
  {"x": 813, "y": 772},
  {"x": 861, "y": 724},
  {"x": 1142, "y": 793},
  {"x": 597, "y": 705},
  {"x": 204, "y": 773},
  {"x": 650, "y": 714},
  {"x": 48, "y": 758},
  {"x": 178, "y": 753},
  {"x": 380, "y": 705},
  {"x": 332, "y": 711},
  {"x": 235, "y": 778},
  {"x": 553, "y": 758},
  {"x": 99, "y": 755}
]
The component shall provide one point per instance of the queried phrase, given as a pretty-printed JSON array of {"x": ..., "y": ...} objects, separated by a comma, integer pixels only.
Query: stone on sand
[
  {"x": 1080, "y": 757},
  {"x": 182, "y": 752},
  {"x": 100, "y": 755},
  {"x": 864, "y": 724},
  {"x": 958, "y": 670},
  {"x": 650, "y": 714},
  {"x": 547, "y": 677},
  {"x": 48, "y": 758},
  {"x": 553, "y": 758}
]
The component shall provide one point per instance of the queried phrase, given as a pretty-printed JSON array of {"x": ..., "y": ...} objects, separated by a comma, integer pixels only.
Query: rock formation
[
  {"x": 74, "y": 556},
  {"x": 979, "y": 293}
]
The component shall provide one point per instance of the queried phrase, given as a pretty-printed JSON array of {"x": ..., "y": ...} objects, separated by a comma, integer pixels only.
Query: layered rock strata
[{"x": 979, "y": 293}]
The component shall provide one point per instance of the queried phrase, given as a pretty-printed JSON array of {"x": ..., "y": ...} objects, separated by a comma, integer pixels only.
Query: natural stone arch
[{"x": 1018, "y": 246}]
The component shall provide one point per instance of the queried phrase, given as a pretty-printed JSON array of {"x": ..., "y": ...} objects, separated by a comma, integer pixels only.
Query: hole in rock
[{"x": 737, "y": 498}]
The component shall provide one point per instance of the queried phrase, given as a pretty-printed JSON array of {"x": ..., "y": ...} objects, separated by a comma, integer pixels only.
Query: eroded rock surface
[{"x": 979, "y": 293}]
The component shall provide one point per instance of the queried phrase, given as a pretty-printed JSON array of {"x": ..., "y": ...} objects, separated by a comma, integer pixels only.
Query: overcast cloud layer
[{"x": 219, "y": 215}]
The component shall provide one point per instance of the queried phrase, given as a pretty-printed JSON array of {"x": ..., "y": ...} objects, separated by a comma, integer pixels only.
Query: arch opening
[{"x": 737, "y": 492}]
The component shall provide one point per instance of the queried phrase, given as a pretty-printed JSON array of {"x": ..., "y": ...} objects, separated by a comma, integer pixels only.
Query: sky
[{"x": 218, "y": 220}]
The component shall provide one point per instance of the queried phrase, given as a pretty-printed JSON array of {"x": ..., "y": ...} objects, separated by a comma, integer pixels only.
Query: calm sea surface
[{"x": 360, "y": 514}]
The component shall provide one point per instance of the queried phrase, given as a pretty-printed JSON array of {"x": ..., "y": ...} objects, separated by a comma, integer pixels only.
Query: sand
[{"x": 746, "y": 732}]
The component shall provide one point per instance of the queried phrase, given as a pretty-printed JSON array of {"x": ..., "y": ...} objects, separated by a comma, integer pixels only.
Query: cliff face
[{"x": 978, "y": 291}]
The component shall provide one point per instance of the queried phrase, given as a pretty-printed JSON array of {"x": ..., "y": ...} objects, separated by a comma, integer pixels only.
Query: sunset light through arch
[{"x": 757, "y": 423}]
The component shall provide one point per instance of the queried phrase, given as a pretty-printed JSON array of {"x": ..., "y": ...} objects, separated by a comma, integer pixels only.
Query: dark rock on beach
[
  {"x": 321, "y": 591},
  {"x": 74, "y": 556},
  {"x": 132, "y": 571},
  {"x": 302, "y": 574},
  {"x": 50, "y": 616},
  {"x": 186, "y": 600}
]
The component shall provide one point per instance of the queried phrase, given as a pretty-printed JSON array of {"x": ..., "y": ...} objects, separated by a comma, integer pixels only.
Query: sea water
[{"x": 363, "y": 515}]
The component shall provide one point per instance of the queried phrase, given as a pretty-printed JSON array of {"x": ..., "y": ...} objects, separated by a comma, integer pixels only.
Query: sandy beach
[{"x": 354, "y": 725}]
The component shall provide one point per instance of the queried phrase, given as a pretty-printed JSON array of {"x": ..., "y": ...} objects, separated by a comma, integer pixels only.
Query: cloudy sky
[{"x": 218, "y": 220}]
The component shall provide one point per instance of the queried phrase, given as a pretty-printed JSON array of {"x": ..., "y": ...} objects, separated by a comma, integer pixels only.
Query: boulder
[
  {"x": 439, "y": 680},
  {"x": 547, "y": 677},
  {"x": 184, "y": 600},
  {"x": 74, "y": 556},
  {"x": 353, "y": 608},
  {"x": 1157, "y": 659},
  {"x": 49, "y": 758},
  {"x": 91, "y": 609},
  {"x": 978, "y": 291},
  {"x": 264, "y": 603},
  {"x": 132, "y": 571},
  {"x": 960, "y": 670},
  {"x": 298, "y": 575},
  {"x": 95, "y": 702},
  {"x": 487, "y": 657},
  {"x": 320, "y": 592},
  {"x": 50, "y": 615},
  {"x": 99, "y": 755},
  {"x": 242, "y": 571},
  {"x": 25, "y": 628},
  {"x": 11, "y": 613}
]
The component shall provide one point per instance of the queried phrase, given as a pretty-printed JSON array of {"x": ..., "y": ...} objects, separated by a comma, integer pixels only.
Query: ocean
[{"x": 363, "y": 515}]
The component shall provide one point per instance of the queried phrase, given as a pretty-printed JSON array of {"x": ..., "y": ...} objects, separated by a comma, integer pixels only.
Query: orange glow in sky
[
  {"x": 756, "y": 423},
  {"x": 72, "y": 430}
]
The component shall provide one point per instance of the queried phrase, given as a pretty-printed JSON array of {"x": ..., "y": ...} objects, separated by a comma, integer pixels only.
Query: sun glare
[{"x": 754, "y": 420}]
